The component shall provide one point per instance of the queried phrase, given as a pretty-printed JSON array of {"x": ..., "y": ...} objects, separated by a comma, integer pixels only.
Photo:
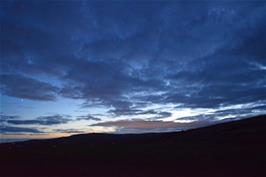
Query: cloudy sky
[{"x": 129, "y": 67}]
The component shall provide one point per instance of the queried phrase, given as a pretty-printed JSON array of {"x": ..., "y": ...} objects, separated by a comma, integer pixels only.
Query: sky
[{"x": 72, "y": 67}]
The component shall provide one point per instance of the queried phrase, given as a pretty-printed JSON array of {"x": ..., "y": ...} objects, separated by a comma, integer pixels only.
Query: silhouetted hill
[{"x": 233, "y": 149}]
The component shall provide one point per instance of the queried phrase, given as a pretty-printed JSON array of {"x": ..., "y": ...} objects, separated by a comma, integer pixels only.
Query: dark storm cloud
[
  {"x": 28, "y": 88},
  {"x": 42, "y": 120},
  {"x": 198, "y": 54}
]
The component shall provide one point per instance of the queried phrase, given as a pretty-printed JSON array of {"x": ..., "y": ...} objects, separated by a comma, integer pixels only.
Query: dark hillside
[{"x": 234, "y": 149}]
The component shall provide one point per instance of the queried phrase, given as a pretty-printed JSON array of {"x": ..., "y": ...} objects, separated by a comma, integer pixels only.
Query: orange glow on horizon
[{"x": 34, "y": 136}]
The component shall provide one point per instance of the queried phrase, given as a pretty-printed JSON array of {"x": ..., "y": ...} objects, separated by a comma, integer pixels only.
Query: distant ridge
[{"x": 231, "y": 149}]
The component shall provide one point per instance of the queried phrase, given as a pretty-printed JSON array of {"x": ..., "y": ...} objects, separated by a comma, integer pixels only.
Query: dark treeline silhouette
[{"x": 233, "y": 149}]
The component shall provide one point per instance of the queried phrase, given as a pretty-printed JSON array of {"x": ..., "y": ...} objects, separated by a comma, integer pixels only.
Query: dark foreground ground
[{"x": 235, "y": 149}]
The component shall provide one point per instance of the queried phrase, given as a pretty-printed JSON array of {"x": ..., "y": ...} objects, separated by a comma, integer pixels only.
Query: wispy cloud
[
  {"x": 149, "y": 125},
  {"x": 28, "y": 88},
  {"x": 12, "y": 129},
  {"x": 43, "y": 120},
  {"x": 88, "y": 117}
]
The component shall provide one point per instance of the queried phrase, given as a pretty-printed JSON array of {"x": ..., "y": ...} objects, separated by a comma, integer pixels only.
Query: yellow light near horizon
[
  {"x": 96, "y": 129},
  {"x": 34, "y": 136},
  {"x": 186, "y": 112}
]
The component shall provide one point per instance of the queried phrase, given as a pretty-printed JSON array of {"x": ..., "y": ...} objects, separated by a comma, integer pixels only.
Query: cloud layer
[
  {"x": 44, "y": 120},
  {"x": 130, "y": 57}
]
